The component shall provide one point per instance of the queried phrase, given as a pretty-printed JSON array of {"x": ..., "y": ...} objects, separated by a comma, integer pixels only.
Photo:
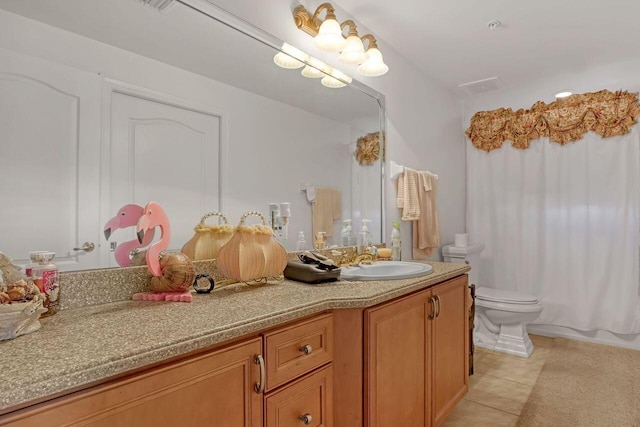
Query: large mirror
[{"x": 104, "y": 104}]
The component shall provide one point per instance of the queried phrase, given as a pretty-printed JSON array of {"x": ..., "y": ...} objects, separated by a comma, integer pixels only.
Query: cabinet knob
[
  {"x": 307, "y": 349},
  {"x": 306, "y": 418}
]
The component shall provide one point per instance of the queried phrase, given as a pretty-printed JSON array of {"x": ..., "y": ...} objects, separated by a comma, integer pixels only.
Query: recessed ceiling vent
[
  {"x": 479, "y": 87},
  {"x": 160, "y": 5}
]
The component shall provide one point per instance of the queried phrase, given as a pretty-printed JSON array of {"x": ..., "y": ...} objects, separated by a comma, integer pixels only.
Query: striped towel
[{"x": 417, "y": 197}]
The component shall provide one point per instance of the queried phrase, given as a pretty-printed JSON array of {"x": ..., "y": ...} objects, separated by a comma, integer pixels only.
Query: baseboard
[{"x": 597, "y": 337}]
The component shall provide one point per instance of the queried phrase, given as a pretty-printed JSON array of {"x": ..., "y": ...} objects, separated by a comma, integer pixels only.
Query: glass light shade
[
  {"x": 332, "y": 80},
  {"x": 563, "y": 94},
  {"x": 290, "y": 57},
  {"x": 330, "y": 36},
  {"x": 374, "y": 66},
  {"x": 315, "y": 69},
  {"x": 353, "y": 53}
]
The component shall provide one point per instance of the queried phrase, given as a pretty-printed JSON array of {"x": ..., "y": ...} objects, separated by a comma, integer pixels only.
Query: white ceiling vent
[
  {"x": 492, "y": 84},
  {"x": 160, "y": 5}
]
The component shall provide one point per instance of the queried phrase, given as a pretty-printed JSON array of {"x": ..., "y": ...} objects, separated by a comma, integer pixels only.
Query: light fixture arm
[
  {"x": 311, "y": 24},
  {"x": 331, "y": 12},
  {"x": 353, "y": 29},
  {"x": 371, "y": 39}
]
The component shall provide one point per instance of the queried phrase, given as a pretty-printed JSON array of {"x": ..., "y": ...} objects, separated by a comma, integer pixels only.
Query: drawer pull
[
  {"x": 307, "y": 349},
  {"x": 432, "y": 315},
  {"x": 306, "y": 418},
  {"x": 259, "y": 387},
  {"x": 438, "y": 301}
]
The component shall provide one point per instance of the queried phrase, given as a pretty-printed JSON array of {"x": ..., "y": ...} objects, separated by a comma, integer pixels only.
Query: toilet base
[{"x": 512, "y": 339}]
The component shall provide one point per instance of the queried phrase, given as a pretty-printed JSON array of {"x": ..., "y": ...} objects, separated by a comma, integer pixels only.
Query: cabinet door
[
  {"x": 214, "y": 389},
  {"x": 450, "y": 346},
  {"x": 397, "y": 356}
]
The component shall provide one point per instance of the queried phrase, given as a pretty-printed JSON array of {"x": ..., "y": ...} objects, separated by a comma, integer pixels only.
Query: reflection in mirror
[{"x": 104, "y": 104}]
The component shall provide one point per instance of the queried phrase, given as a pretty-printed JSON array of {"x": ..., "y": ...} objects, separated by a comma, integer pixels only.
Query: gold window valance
[{"x": 565, "y": 120}]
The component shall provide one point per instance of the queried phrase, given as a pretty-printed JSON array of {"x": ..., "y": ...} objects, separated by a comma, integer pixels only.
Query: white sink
[{"x": 386, "y": 270}]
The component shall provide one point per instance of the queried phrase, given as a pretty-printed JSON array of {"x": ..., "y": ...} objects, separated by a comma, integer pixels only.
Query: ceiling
[{"x": 451, "y": 42}]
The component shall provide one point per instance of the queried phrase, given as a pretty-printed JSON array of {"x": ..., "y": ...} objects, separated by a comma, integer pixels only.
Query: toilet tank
[{"x": 467, "y": 255}]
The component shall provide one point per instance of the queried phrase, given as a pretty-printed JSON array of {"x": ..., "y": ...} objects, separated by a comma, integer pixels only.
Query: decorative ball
[{"x": 178, "y": 274}]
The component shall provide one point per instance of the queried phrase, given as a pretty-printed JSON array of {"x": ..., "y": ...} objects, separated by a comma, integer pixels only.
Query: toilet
[{"x": 501, "y": 316}]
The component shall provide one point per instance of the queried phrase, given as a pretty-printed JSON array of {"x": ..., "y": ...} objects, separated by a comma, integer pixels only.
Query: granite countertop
[{"x": 86, "y": 345}]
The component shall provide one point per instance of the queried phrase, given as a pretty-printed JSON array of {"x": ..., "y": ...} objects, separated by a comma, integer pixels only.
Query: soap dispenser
[
  {"x": 302, "y": 243},
  {"x": 396, "y": 243},
  {"x": 346, "y": 236},
  {"x": 364, "y": 237}
]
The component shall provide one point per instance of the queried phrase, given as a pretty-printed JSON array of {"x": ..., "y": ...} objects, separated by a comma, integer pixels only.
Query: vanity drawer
[
  {"x": 308, "y": 401},
  {"x": 297, "y": 349}
]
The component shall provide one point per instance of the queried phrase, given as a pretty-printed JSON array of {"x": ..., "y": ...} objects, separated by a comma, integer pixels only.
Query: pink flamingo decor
[
  {"x": 127, "y": 216},
  {"x": 173, "y": 273}
]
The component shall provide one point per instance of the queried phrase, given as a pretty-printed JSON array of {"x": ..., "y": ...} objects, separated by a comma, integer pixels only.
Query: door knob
[
  {"x": 306, "y": 418},
  {"x": 86, "y": 246},
  {"x": 307, "y": 349}
]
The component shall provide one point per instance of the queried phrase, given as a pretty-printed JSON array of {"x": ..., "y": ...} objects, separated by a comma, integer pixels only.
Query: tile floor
[{"x": 499, "y": 387}]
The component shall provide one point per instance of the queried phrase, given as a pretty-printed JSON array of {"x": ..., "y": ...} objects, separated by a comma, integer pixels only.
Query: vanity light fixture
[
  {"x": 337, "y": 79},
  {"x": 374, "y": 65},
  {"x": 353, "y": 52},
  {"x": 328, "y": 35},
  {"x": 315, "y": 69},
  {"x": 290, "y": 57}
]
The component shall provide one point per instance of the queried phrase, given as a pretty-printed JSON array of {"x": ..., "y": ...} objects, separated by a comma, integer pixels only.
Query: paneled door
[
  {"x": 166, "y": 153},
  {"x": 397, "y": 348},
  {"x": 49, "y": 160},
  {"x": 450, "y": 367}
]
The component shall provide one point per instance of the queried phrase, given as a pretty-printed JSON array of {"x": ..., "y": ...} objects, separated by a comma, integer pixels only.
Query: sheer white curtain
[{"x": 562, "y": 223}]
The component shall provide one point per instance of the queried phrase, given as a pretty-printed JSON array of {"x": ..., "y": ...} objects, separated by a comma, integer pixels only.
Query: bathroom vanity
[{"x": 350, "y": 354}]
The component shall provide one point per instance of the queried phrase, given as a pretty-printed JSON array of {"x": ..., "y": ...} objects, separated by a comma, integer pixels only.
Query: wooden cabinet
[
  {"x": 400, "y": 363},
  {"x": 224, "y": 387},
  {"x": 415, "y": 357},
  {"x": 450, "y": 344},
  {"x": 300, "y": 354},
  {"x": 308, "y": 401},
  {"x": 213, "y": 389},
  {"x": 397, "y": 352},
  {"x": 297, "y": 349}
]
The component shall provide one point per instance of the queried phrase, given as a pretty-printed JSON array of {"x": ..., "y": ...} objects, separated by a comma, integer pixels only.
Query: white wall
[
  {"x": 423, "y": 119},
  {"x": 269, "y": 148}
]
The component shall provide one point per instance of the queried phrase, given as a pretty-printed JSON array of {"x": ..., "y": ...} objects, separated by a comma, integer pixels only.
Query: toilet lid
[{"x": 501, "y": 295}]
